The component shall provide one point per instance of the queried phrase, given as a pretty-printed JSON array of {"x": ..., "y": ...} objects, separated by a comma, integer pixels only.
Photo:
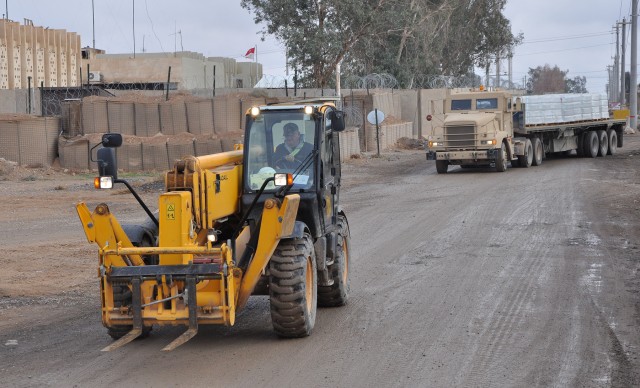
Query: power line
[
  {"x": 561, "y": 50},
  {"x": 568, "y": 37}
]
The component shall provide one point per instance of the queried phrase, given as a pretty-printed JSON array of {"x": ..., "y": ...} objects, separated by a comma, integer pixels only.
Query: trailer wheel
[
  {"x": 613, "y": 142},
  {"x": 604, "y": 142},
  {"x": 591, "y": 144},
  {"x": 336, "y": 294},
  {"x": 293, "y": 287},
  {"x": 527, "y": 159},
  {"x": 580, "y": 146},
  {"x": 442, "y": 166},
  {"x": 538, "y": 152},
  {"x": 501, "y": 159}
]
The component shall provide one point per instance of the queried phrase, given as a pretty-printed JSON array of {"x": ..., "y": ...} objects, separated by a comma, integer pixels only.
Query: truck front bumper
[{"x": 463, "y": 155}]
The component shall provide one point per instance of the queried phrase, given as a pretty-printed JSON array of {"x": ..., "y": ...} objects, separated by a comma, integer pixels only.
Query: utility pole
[
  {"x": 609, "y": 86},
  {"x": 623, "y": 94},
  {"x": 616, "y": 65},
  {"x": 133, "y": 17},
  {"x": 633, "y": 90},
  {"x": 93, "y": 22},
  {"x": 497, "y": 70},
  {"x": 510, "y": 69}
]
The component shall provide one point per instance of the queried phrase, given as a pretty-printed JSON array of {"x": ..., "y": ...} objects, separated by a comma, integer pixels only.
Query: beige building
[
  {"x": 54, "y": 58},
  {"x": 49, "y": 57},
  {"x": 189, "y": 70}
]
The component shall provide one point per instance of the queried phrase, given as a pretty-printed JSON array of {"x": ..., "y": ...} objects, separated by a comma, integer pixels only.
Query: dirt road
[{"x": 474, "y": 278}]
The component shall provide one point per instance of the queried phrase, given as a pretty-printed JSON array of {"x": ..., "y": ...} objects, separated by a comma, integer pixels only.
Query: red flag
[{"x": 250, "y": 53}]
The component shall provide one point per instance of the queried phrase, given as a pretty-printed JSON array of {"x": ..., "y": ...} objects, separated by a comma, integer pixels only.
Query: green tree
[
  {"x": 576, "y": 85},
  {"x": 400, "y": 37}
]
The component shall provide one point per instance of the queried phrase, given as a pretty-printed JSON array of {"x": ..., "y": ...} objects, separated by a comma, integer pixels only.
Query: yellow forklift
[{"x": 263, "y": 219}]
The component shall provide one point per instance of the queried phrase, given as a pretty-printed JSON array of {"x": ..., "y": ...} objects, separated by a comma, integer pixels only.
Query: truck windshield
[
  {"x": 487, "y": 103},
  {"x": 280, "y": 141},
  {"x": 460, "y": 104}
]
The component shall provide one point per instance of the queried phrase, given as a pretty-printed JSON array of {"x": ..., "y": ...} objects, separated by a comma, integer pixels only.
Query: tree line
[{"x": 399, "y": 37}]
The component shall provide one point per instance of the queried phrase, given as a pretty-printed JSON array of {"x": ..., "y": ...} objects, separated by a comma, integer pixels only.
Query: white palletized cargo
[{"x": 564, "y": 108}]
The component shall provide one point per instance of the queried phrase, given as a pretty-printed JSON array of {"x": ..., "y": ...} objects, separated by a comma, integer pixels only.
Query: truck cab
[{"x": 477, "y": 131}]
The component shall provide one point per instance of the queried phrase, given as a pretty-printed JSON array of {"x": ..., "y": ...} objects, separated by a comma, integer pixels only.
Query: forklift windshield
[{"x": 280, "y": 141}]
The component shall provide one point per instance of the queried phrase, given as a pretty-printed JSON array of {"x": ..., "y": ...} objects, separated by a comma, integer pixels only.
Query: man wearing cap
[{"x": 293, "y": 151}]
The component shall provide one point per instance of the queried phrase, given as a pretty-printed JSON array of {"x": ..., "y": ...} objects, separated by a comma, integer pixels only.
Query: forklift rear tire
[
  {"x": 336, "y": 294},
  {"x": 293, "y": 287}
]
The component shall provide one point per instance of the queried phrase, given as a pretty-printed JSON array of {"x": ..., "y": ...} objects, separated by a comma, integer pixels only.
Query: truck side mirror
[
  {"x": 111, "y": 140},
  {"x": 337, "y": 120},
  {"x": 107, "y": 164}
]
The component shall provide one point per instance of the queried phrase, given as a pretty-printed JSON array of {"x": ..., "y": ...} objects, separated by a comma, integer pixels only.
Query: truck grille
[{"x": 459, "y": 136}]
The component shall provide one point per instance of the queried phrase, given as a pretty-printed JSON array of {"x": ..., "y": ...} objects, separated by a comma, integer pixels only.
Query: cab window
[
  {"x": 487, "y": 103},
  {"x": 460, "y": 104}
]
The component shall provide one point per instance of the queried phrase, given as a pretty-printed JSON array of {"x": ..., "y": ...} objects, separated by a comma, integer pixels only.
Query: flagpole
[{"x": 255, "y": 58}]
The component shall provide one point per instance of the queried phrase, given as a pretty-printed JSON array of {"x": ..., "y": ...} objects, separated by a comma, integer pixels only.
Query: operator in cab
[{"x": 291, "y": 153}]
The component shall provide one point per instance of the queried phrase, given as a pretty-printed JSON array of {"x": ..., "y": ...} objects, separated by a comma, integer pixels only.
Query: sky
[{"x": 575, "y": 35}]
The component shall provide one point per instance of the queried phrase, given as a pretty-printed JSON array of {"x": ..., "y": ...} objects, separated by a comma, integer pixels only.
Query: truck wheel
[
  {"x": 591, "y": 144},
  {"x": 501, "y": 159},
  {"x": 604, "y": 142},
  {"x": 337, "y": 293},
  {"x": 527, "y": 159},
  {"x": 538, "y": 152},
  {"x": 580, "y": 147},
  {"x": 293, "y": 287},
  {"x": 442, "y": 166},
  {"x": 613, "y": 142}
]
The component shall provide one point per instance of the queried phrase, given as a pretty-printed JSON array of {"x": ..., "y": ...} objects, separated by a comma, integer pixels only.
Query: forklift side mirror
[
  {"x": 337, "y": 120},
  {"x": 107, "y": 165},
  {"x": 111, "y": 140}
]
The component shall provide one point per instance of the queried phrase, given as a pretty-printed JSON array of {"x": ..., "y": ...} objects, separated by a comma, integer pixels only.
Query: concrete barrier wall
[{"x": 17, "y": 101}]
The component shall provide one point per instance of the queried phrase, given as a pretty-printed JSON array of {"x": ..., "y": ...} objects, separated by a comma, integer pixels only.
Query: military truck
[{"x": 492, "y": 128}]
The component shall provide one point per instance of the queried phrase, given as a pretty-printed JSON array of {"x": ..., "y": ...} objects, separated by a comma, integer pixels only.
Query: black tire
[
  {"x": 293, "y": 293},
  {"x": 591, "y": 144},
  {"x": 502, "y": 159},
  {"x": 580, "y": 147},
  {"x": 603, "y": 140},
  {"x": 442, "y": 166},
  {"x": 613, "y": 142},
  {"x": 337, "y": 294},
  {"x": 538, "y": 152},
  {"x": 527, "y": 159},
  {"x": 515, "y": 163}
]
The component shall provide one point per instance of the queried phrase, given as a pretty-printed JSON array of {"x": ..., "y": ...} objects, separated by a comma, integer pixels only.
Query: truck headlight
[
  {"x": 488, "y": 142},
  {"x": 436, "y": 144}
]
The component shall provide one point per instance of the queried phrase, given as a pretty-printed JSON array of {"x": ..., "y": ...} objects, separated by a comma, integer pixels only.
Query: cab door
[{"x": 330, "y": 172}]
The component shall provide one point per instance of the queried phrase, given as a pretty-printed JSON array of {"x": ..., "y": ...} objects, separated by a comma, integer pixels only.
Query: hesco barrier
[
  {"x": 388, "y": 135},
  {"x": 30, "y": 141},
  {"x": 157, "y": 153},
  {"x": 349, "y": 143}
]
